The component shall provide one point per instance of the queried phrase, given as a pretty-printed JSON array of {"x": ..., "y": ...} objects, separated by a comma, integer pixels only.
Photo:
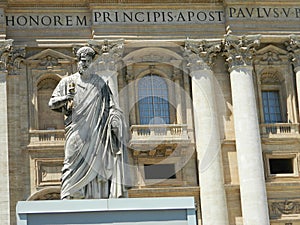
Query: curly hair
[{"x": 84, "y": 51}]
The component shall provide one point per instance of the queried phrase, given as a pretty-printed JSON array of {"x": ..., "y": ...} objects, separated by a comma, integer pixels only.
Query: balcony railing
[
  {"x": 45, "y": 137},
  {"x": 158, "y": 133},
  {"x": 279, "y": 129}
]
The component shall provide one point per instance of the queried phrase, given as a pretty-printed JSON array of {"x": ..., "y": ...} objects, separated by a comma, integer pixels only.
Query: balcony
[
  {"x": 279, "y": 130},
  {"x": 46, "y": 137},
  {"x": 156, "y": 134}
]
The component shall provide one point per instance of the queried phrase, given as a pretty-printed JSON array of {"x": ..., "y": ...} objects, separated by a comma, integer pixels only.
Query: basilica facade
[{"x": 210, "y": 90}]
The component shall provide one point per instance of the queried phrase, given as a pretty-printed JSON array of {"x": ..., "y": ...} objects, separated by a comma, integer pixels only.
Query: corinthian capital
[
  {"x": 294, "y": 48},
  {"x": 239, "y": 50},
  {"x": 5, "y": 47},
  {"x": 200, "y": 54},
  {"x": 109, "y": 53},
  {"x": 11, "y": 57}
]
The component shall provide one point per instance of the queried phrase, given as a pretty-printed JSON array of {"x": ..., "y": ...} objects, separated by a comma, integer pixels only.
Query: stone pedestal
[{"x": 141, "y": 211}]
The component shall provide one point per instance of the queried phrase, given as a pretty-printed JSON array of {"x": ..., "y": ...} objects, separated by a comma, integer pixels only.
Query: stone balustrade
[
  {"x": 44, "y": 137},
  {"x": 158, "y": 133},
  {"x": 279, "y": 129}
]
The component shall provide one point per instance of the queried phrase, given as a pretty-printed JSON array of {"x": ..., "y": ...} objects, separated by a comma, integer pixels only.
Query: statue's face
[{"x": 84, "y": 63}]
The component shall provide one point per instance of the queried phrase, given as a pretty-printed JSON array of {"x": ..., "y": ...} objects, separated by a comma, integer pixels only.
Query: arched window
[{"x": 153, "y": 100}]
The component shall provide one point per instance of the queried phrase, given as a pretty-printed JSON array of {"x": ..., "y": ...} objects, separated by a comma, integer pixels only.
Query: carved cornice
[
  {"x": 293, "y": 46},
  {"x": 200, "y": 54},
  {"x": 239, "y": 50},
  {"x": 109, "y": 54}
]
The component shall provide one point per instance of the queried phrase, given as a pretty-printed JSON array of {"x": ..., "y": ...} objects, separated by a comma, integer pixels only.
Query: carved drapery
[{"x": 239, "y": 50}]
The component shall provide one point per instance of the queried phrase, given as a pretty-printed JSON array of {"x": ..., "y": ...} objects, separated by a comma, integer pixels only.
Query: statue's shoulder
[{"x": 99, "y": 79}]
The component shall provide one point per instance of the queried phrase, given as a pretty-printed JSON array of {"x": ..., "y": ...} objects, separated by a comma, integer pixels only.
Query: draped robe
[{"x": 94, "y": 151}]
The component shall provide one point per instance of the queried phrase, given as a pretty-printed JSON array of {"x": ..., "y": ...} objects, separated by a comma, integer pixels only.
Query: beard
[{"x": 81, "y": 68}]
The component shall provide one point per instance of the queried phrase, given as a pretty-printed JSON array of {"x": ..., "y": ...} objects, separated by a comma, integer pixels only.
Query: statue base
[{"x": 125, "y": 211}]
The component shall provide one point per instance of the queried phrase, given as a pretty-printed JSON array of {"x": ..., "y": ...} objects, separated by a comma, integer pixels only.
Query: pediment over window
[
  {"x": 50, "y": 58},
  {"x": 271, "y": 55}
]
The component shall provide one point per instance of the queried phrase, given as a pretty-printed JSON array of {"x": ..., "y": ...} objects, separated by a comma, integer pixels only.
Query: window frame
[
  {"x": 291, "y": 155},
  {"x": 283, "y": 110},
  {"x": 142, "y": 181},
  {"x": 172, "y": 108}
]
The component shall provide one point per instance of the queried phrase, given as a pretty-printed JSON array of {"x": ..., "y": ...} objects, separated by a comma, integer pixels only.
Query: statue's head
[{"x": 85, "y": 56}]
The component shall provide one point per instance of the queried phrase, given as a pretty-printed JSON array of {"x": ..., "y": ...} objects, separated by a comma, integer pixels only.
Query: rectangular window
[
  {"x": 159, "y": 171},
  {"x": 281, "y": 166},
  {"x": 271, "y": 107}
]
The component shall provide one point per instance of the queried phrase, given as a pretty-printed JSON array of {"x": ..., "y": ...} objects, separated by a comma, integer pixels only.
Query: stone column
[
  {"x": 107, "y": 62},
  {"x": 207, "y": 134},
  {"x": 294, "y": 48},
  {"x": 4, "y": 156},
  {"x": 239, "y": 51}
]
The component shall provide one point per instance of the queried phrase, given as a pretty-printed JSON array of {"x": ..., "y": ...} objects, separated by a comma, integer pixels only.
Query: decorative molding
[
  {"x": 153, "y": 55},
  {"x": 271, "y": 77},
  {"x": 239, "y": 50},
  {"x": 11, "y": 57},
  {"x": 285, "y": 207},
  {"x": 50, "y": 59},
  {"x": 108, "y": 54},
  {"x": 271, "y": 55},
  {"x": 200, "y": 54},
  {"x": 48, "y": 171},
  {"x": 5, "y": 47},
  {"x": 16, "y": 57}
]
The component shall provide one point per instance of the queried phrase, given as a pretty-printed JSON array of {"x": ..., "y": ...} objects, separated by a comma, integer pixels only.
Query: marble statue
[{"x": 94, "y": 151}]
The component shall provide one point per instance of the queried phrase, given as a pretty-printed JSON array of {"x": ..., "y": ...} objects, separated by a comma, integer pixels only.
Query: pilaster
[
  {"x": 294, "y": 49},
  {"x": 5, "y": 47},
  {"x": 212, "y": 193},
  {"x": 239, "y": 52}
]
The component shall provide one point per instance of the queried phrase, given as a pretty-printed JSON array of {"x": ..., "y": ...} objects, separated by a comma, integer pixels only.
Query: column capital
[
  {"x": 109, "y": 53},
  {"x": 293, "y": 46},
  {"x": 200, "y": 54},
  {"x": 239, "y": 50},
  {"x": 11, "y": 57}
]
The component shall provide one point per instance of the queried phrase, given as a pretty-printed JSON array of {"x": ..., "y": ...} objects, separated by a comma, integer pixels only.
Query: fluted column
[
  {"x": 4, "y": 159},
  {"x": 107, "y": 63},
  {"x": 207, "y": 134},
  {"x": 294, "y": 48},
  {"x": 239, "y": 51}
]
